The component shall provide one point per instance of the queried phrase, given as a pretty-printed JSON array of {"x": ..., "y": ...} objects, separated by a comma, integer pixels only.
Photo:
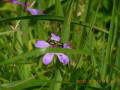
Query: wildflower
[
  {"x": 31, "y": 10},
  {"x": 48, "y": 57},
  {"x": 16, "y": 2},
  {"x": 34, "y": 11}
]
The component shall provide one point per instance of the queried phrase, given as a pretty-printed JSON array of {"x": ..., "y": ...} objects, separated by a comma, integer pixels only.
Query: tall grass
[{"x": 91, "y": 28}]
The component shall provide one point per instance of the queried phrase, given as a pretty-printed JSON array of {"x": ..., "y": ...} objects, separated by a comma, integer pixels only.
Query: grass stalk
[{"x": 107, "y": 60}]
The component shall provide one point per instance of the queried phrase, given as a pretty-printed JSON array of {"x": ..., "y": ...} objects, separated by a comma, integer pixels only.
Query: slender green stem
[
  {"x": 93, "y": 22},
  {"x": 109, "y": 45},
  {"x": 83, "y": 31},
  {"x": 65, "y": 33}
]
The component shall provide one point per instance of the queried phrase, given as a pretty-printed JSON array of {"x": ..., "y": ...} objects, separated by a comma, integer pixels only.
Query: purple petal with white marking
[
  {"x": 54, "y": 37},
  {"x": 48, "y": 58},
  {"x": 33, "y": 11},
  {"x": 66, "y": 46},
  {"x": 42, "y": 44},
  {"x": 63, "y": 58}
]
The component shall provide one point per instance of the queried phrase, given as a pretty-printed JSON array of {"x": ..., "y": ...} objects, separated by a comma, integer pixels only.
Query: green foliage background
[{"x": 92, "y": 29}]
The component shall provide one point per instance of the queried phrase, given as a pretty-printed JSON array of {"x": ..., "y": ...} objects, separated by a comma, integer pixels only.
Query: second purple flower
[{"x": 31, "y": 10}]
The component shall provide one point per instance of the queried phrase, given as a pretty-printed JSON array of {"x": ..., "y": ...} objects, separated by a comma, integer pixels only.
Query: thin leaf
[
  {"x": 51, "y": 18},
  {"x": 42, "y": 51},
  {"x": 110, "y": 40}
]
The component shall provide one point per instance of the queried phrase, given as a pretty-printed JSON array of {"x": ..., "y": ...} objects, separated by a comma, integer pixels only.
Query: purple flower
[
  {"x": 31, "y": 10},
  {"x": 16, "y": 2},
  {"x": 54, "y": 37},
  {"x": 66, "y": 45},
  {"x": 48, "y": 57},
  {"x": 35, "y": 11}
]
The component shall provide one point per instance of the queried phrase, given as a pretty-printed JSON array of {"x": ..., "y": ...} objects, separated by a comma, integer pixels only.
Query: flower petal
[
  {"x": 63, "y": 58},
  {"x": 41, "y": 12},
  {"x": 66, "y": 46},
  {"x": 15, "y": 2},
  {"x": 48, "y": 58},
  {"x": 54, "y": 37},
  {"x": 33, "y": 11},
  {"x": 42, "y": 44}
]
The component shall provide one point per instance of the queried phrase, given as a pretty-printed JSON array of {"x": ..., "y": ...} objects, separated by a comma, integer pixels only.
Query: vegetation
[{"x": 90, "y": 27}]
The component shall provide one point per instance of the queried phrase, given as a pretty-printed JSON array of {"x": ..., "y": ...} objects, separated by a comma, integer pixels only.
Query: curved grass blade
[
  {"x": 42, "y": 51},
  {"x": 27, "y": 84},
  {"x": 52, "y": 18}
]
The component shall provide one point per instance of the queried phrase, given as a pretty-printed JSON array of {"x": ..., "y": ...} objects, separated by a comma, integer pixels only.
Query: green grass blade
[
  {"x": 117, "y": 67},
  {"x": 22, "y": 56},
  {"x": 67, "y": 21},
  {"x": 51, "y": 18},
  {"x": 58, "y": 7},
  {"x": 42, "y": 51},
  {"x": 48, "y": 10},
  {"x": 80, "y": 43},
  {"x": 27, "y": 84},
  {"x": 96, "y": 13},
  {"x": 83, "y": 30},
  {"x": 56, "y": 85},
  {"x": 110, "y": 40},
  {"x": 116, "y": 39},
  {"x": 75, "y": 35}
]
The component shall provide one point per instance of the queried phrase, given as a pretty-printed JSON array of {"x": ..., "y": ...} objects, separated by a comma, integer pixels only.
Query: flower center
[{"x": 55, "y": 44}]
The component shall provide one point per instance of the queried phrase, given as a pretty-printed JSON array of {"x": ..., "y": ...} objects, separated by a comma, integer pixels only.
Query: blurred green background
[{"x": 90, "y": 27}]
